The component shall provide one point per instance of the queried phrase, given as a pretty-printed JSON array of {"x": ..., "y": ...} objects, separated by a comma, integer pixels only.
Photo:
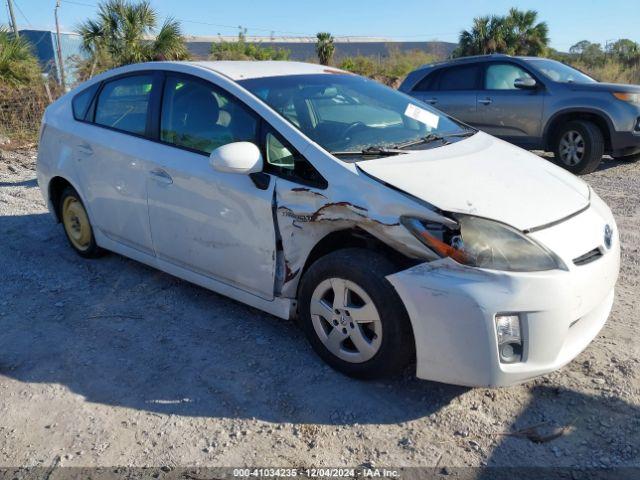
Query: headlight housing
[
  {"x": 483, "y": 243},
  {"x": 627, "y": 97}
]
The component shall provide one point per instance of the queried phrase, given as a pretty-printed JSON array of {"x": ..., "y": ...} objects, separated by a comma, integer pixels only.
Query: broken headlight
[{"x": 483, "y": 243}]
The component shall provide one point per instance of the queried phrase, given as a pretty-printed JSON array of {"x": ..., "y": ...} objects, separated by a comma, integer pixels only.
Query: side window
[
  {"x": 80, "y": 103},
  {"x": 500, "y": 76},
  {"x": 123, "y": 104},
  {"x": 465, "y": 77},
  {"x": 198, "y": 116},
  {"x": 427, "y": 83},
  {"x": 283, "y": 160}
]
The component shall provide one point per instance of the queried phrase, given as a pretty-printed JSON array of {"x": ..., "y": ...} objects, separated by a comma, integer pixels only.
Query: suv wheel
[
  {"x": 579, "y": 146},
  {"x": 352, "y": 315}
]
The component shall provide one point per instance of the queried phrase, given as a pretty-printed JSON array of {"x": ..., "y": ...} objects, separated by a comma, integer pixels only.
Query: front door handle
[
  {"x": 432, "y": 101},
  {"x": 485, "y": 101},
  {"x": 161, "y": 176}
]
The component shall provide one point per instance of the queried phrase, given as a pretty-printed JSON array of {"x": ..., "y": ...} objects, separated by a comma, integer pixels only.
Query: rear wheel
[
  {"x": 579, "y": 146},
  {"x": 352, "y": 315},
  {"x": 76, "y": 224}
]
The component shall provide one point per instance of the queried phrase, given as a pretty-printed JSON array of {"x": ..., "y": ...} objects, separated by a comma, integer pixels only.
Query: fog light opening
[{"x": 509, "y": 337}]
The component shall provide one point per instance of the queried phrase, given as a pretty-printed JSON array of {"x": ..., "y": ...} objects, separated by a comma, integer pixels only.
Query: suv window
[
  {"x": 200, "y": 117},
  {"x": 427, "y": 83},
  {"x": 123, "y": 103},
  {"x": 500, "y": 76},
  {"x": 465, "y": 77}
]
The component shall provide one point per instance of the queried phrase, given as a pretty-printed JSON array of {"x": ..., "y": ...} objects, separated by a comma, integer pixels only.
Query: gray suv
[{"x": 536, "y": 103}]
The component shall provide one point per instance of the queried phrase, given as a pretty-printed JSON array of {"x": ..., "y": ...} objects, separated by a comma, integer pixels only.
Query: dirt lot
[{"x": 108, "y": 362}]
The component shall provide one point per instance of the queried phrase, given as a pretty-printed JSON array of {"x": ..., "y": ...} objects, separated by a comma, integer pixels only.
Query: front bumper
[
  {"x": 452, "y": 307},
  {"x": 625, "y": 143}
]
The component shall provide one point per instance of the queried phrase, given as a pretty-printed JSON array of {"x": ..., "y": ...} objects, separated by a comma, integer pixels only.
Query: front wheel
[
  {"x": 579, "y": 146},
  {"x": 352, "y": 315}
]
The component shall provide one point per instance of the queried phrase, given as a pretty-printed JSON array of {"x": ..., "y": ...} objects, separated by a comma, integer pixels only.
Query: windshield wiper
[
  {"x": 435, "y": 137},
  {"x": 377, "y": 150}
]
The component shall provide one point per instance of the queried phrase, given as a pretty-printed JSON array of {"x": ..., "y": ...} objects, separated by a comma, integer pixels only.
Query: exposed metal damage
[{"x": 304, "y": 216}]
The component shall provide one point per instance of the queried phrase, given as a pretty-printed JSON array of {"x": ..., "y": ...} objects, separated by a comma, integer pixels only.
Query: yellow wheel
[{"x": 76, "y": 224}]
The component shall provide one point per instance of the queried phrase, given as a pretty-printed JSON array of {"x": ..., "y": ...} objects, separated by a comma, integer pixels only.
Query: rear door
[
  {"x": 508, "y": 112},
  {"x": 452, "y": 90},
  {"x": 112, "y": 154}
]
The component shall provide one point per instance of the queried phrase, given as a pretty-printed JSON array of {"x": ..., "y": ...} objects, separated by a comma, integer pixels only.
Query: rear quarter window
[
  {"x": 80, "y": 103},
  {"x": 427, "y": 83}
]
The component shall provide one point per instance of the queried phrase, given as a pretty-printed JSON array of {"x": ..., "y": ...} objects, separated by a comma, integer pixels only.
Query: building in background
[
  {"x": 45, "y": 44},
  {"x": 304, "y": 48}
]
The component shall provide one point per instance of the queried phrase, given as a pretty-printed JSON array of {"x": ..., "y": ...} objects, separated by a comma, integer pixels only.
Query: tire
[
  {"x": 361, "y": 273},
  {"x": 77, "y": 226},
  {"x": 579, "y": 146}
]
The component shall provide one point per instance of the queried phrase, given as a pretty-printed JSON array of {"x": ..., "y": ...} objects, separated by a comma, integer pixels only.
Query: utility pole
[
  {"x": 13, "y": 18},
  {"x": 60, "y": 60}
]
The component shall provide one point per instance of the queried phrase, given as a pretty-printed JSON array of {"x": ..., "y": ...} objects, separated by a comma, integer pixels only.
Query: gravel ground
[{"x": 108, "y": 362}]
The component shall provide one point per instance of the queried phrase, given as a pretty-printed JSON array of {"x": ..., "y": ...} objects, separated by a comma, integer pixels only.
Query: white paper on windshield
[{"x": 422, "y": 115}]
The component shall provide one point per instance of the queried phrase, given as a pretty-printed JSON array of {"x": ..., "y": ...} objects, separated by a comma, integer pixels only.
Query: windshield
[
  {"x": 559, "y": 72},
  {"x": 348, "y": 113}
]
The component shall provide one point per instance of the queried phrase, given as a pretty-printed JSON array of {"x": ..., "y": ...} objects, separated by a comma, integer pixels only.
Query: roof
[
  {"x": 242, "y": 70},
  {"x": 475, "y": 58}
]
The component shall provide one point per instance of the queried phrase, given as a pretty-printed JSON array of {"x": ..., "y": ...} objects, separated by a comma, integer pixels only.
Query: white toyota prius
[{"x": 392, "y": 232}]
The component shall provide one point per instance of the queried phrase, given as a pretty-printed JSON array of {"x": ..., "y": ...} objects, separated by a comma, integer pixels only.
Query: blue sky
[{"x": 569, "y": 20}]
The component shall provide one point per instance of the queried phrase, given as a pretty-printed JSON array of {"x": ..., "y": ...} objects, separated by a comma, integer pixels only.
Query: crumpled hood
[{"x": 482, "y": 175}]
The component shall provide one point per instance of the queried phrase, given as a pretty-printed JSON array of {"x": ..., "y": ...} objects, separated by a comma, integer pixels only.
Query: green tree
[
  {"x": 125, "y": 32},
  {"x": 325, "y": 48},
  {"x": 243, "y": 50},
  {"x": 524, "y": 35},
  {"x": 589, "y": 53},
  {"x": 625, "y": 50},
  {"x": 487, "y": 35},
  {"x": 18, "y": 66},
  {"x": 516, "y": 34}
]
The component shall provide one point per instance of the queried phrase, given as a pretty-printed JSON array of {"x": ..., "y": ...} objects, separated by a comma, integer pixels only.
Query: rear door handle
[
  {"x": 485, "y": 101},
  {"x": 161, "y": 176}
]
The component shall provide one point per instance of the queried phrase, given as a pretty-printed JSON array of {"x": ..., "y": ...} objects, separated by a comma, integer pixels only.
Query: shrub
[{"x": 243, "y": 50}]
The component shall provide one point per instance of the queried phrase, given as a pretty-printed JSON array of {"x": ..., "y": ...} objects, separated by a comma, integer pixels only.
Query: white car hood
[{"x": 482, "y": 175}]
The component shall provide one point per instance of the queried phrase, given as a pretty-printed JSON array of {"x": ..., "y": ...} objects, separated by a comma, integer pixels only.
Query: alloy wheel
[
  {"x": 571, "y": 148},
  {"x": 346, "y": 320}
]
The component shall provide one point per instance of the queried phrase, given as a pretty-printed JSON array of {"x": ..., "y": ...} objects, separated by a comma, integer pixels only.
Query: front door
[
  {"x": 508, "y": 112},
  {"x": 216, "y": 224}
]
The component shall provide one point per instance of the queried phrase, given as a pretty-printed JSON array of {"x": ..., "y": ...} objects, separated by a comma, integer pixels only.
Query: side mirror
[
  {"x": 238, "y": 157},
  {"x": 526, "y": 83}
]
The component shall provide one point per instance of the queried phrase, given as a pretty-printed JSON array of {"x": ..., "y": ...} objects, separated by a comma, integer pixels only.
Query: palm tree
[
  {"x": 525, "y": 36},
  {"x": 325, "y": 48},
  {"x": 123, "y": 34},
  {"x": 18, "y": 66},
  {"x": 515, "y": 34},
  {"x": 487, "y": 35}
]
